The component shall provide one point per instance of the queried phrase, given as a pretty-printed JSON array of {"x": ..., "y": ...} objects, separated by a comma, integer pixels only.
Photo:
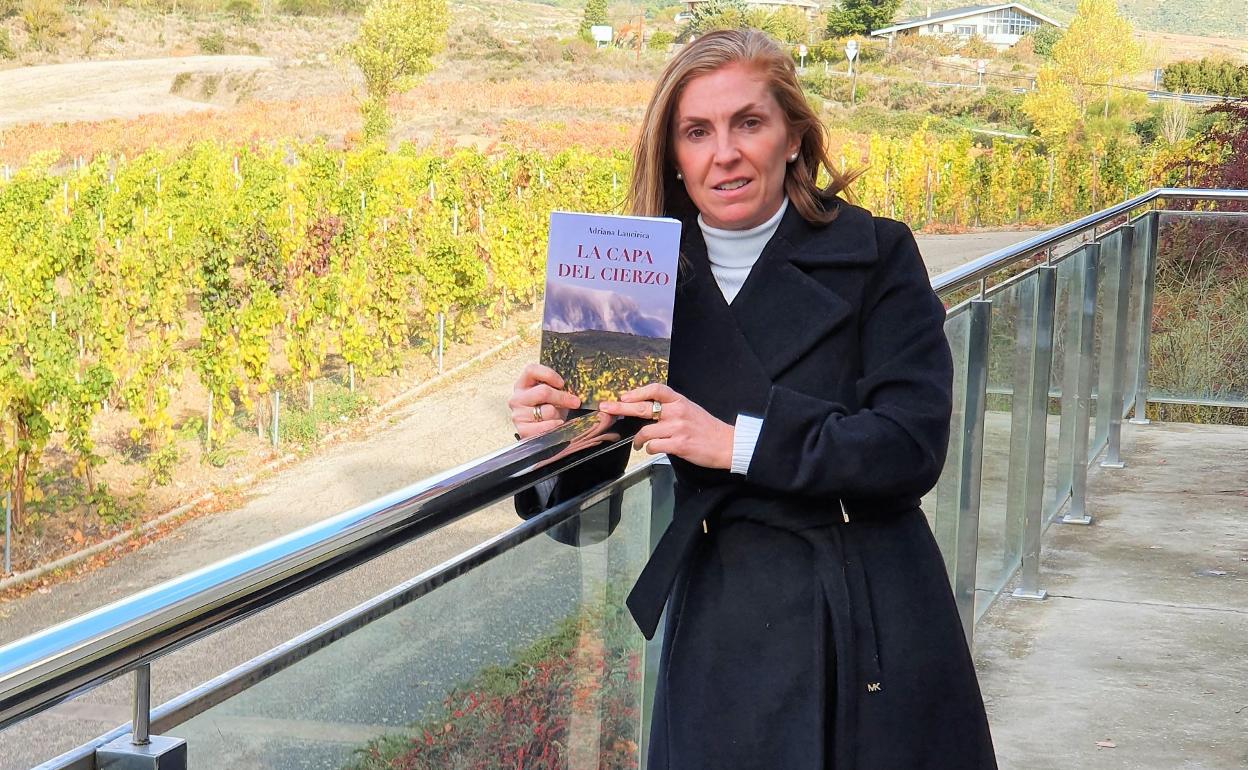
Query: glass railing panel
[
  {"x": 943, "y": 514},
  {"x": 1139, "y": 267},
  {"x": 93, "y": 713},
  {"x": 1062, "y": 387},
  {"x": 529, "y": 655},
  {"x": 1199, "y": 345},
  {"x": 1000, "y": 522},
  {"x": 1103, "y": 344}
]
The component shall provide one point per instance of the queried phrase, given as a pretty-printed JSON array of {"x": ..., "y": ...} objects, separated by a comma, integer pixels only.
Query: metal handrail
[
  {"x": 974, "y": 271},
  {"x": 55, "y": 664}
]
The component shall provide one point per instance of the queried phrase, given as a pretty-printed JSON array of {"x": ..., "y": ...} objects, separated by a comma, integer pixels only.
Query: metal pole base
[
  {"x": 1118, "y": 465},
  {"x": 1140, "y": 421},
  {"x": 1084, "y": 519},
  {"x": 162, "y": 752},
  {"x": 1037, "y": 595}
]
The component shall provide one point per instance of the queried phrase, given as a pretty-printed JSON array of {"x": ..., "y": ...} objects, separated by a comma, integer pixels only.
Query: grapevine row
[{"x": 122, "y": 280}]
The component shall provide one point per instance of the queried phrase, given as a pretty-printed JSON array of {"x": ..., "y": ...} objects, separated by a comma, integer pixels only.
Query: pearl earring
[
  {"x": 793, "y": 158},
  {"x": 679, "y": 175}
]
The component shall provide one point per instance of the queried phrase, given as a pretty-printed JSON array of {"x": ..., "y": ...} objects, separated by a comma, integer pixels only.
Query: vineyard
[{"x": 241, "y": 272}]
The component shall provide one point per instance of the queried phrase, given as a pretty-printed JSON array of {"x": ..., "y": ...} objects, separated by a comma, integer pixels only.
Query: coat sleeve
[{"x": 895, "y": 444}]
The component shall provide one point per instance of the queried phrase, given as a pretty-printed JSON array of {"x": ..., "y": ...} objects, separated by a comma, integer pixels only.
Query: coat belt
[{"x": 838, "y": 568}]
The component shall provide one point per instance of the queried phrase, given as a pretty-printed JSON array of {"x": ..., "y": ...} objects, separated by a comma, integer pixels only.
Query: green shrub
[
  {"x": 1207, "y": 76},
  {"x": 976, "y": 47},
  {"x": 213, "y": 43},
  {"x": 44, "y": 20},
  {"x": 6, "y": 45},
  {"x": 933, "y": 45},
  {"x": 660, "y": 40},
  {"x": 332, "y": 404},
  {"x": 1043, "y": 40},
  {"x": 320, "y": 7},
  {"x": 243, "y": 10}
]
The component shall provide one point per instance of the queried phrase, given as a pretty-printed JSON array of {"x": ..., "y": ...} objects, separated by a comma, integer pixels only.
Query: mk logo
[{"x": 874, "y": 687}]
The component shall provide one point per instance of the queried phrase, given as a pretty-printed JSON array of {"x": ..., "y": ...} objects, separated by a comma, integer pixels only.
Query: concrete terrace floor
[{"x": 1139, "y": 657}]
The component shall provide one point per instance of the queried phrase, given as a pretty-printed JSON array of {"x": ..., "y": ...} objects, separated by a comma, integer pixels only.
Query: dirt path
[{"x": 98, "y": 90}]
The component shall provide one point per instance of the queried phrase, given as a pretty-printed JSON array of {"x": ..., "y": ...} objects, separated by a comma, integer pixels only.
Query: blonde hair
[{"x": 655, "y": 191}]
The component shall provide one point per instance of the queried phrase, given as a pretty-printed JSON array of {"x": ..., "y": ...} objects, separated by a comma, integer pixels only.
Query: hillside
[{"x": 1189, "y": 17}]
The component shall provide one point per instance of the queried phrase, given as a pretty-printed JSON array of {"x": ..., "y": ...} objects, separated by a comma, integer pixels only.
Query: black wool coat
[{"x": 810, "y": 623}]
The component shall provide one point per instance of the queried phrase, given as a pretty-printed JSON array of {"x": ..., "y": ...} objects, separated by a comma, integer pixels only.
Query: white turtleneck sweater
[{"x": 732, "y": 254}]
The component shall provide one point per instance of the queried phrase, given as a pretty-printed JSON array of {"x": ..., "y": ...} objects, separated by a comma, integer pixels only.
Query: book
[{"x": 610, "y": 287}]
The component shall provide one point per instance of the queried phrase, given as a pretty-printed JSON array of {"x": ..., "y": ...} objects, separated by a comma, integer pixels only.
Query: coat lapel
[{"x": 782, "y": 310}]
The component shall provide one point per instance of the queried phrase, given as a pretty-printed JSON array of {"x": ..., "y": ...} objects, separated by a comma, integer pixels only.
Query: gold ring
[
  {"x": 656, "y": 410},
  {"x": 537, "y": 413}
]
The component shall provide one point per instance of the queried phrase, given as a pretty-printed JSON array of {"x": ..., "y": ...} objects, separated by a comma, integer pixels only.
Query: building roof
[{"x": 958, "y": 13}]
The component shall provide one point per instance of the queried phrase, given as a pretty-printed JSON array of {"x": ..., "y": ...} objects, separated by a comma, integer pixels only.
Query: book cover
[{"x": 610, "y": 286}]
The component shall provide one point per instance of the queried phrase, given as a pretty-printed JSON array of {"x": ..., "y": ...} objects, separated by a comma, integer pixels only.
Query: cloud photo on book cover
[{"x": 577, "y": 308}]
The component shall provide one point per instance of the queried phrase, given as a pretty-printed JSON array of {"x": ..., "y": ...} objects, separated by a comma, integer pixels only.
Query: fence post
[
  {"x": 966, "y": 546},
  {"x": 1082, "y": 380},
  {"x": 277, "y": 406},
  {"x": 1118, "y": 364},
  {"x": 441, "y": 339},
  {"x": 8, "y": 532},
  {"x": 1151, "y": 222},
  {"x": 1040, "y": 369}
]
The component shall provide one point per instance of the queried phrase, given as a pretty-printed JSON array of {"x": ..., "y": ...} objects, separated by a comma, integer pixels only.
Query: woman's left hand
[{"x": 683, "y": 428}]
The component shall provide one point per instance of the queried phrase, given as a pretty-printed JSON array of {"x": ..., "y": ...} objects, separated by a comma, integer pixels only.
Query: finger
[
  {"x": 530, "y": 429},
  {"x": 537, "y": 413},
  {"x": 660, "y": 446},
  {"x": 655, "y": 391},
  {"x": 642, "y": 409},
  {"x": 651, "y": 432},
  {"x": 545, "y": 394},
  {"x": 538, "y": 373}
]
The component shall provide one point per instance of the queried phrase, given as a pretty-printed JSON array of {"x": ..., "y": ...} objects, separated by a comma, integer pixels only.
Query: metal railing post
[
  {"x": 1040, "y": 371},
  {"x": 140, "y": 750},
  {"x": 662, "y": 506},
  {"x": 141, "y": 733},
  {"x": 970, "y": 465},
  {"x": 1118, "y": 371},
  {"x": 1140, "y": 412},
  {"x": 1082, "y": 380}
]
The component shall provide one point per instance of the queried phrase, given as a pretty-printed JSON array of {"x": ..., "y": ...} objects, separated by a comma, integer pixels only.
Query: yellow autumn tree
[
  {"x": 1096, "y": 50},
  {"x": 1052, "y": 107}
]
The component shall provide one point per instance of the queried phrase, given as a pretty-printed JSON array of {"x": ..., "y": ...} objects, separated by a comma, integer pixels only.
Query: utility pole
[{"x": 641, "y": 32}]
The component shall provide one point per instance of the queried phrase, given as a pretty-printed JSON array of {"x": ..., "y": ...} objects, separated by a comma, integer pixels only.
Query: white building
[
  {"x": 1001, "y": 25},
  {"x": 809, "y": 6}
]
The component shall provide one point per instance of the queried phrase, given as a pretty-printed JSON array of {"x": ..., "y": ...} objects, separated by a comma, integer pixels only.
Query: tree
[
  {"x": 396, "y": 45},
  {"x": 860, "y": 17},
  {"x": 789, "y": 24},
  {"x": 1051, "y": 106},
  {"x": 1044, "y": 38},
  {"x": 1096, "y": 50},
  {"x": 595, "y": 14},
  {"x": 716, "y": 14}
]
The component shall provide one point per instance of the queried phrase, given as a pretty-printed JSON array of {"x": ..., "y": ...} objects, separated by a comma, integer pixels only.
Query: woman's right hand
[{"x": 541, "y": 387}]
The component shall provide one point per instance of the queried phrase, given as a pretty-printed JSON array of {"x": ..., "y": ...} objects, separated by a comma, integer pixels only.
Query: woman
[{"x": 810, "y": 622}]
